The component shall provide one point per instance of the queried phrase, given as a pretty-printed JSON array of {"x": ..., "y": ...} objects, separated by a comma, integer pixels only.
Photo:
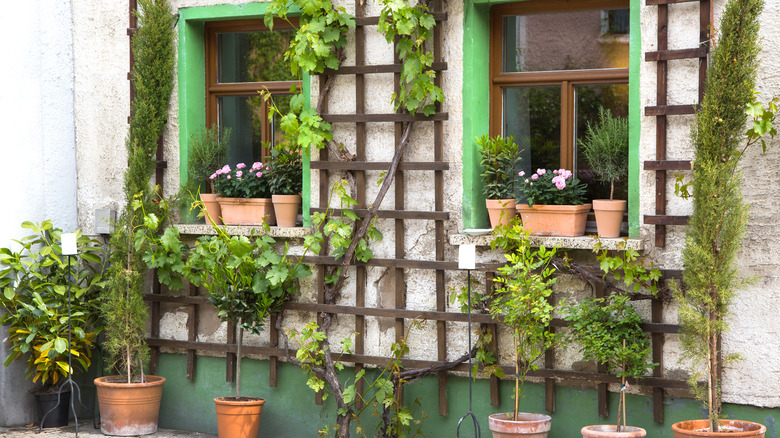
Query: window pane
[
  {"x": 565, "y": 41},
  {"x": 588, "y": 100},
  {"x": 244, "y": 115},
  {"x": 533, "y": 116},
  {"x": 254, "y": 56},
  {"x": 283, "y": 103}
]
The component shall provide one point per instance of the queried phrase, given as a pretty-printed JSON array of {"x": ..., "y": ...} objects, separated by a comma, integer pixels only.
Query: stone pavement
[{"x": 86, "y": 430}]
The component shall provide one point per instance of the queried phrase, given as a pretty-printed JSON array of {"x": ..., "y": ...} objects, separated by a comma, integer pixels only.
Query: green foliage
[
  {"x": 34, "y": 298},
  {"x": 499, "y": 158},
  {"x": 628, "y": 268},
  {"x": 521, "y": 299},
  {"x": 409, "y": 27},
  {"x": 208, "y": 148},
  {"x": 605, "y": 147},
  {"x": 321, "y": 36},
  {"x": 609, "y": 331},
  {"x": 382, "y": 394},
  {"x": 286, "y": 174},
  {"x": 302, "y": 126},
  {"x": 717, "y": 225}
]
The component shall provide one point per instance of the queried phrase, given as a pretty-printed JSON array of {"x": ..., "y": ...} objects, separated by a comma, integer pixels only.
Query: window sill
[
  {"x": 581, "y": 242},
  {"x": 246, "y": 230}
]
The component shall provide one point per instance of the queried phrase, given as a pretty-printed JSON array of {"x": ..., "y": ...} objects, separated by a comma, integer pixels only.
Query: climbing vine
[{"x": 317, "y": 47}]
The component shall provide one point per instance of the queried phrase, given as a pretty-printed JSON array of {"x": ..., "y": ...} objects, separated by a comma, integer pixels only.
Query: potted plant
[
  {"x": 717, "y": 225},
  {"x": 208, "y": 148},
  {"x": 524, "y": 285},
  {"x": 35, "y": 300},
  {"x": 498, "y": 158},
  {"x": 555, "y": 203},
  {"x": 285, "y": 181},
  {"x": 243, "y": 194},
  {"x": 605, "y": 147},
  {"x": 609, "y": 331},
  {"x": 246, "y": 280}
]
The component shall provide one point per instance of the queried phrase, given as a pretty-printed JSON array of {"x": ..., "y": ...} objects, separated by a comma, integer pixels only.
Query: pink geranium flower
[
  {"x": 239, "y": 174},
  {"x": 240, "y": 166}
]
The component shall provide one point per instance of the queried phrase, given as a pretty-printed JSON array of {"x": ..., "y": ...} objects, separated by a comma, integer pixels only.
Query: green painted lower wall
[{"x": 290, "y": 410}]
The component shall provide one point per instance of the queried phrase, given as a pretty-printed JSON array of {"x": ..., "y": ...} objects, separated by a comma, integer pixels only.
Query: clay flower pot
[
  {"x": 610, "y": 431},
  {"x": 238, "y": 417},
  {"x": 212, "y": 208},
  {"x": 246, "y": 211},
  {"x": 609, "y": 216},
  {"x": 730, "y": 428},
  {"x": 500, "y": 211},
  {"x": 527, "y": 425},
  {"x": 286, "y": 209},
  {"x": 129, "y": 409},
  {"x": 554, "y": 220}
]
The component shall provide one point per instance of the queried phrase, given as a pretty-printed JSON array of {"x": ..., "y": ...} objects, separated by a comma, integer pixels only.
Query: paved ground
[{"x": 86, "y": 430}]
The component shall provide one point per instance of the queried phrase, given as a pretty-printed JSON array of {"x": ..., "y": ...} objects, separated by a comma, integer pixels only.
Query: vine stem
[{"x": 330, "y": 292}]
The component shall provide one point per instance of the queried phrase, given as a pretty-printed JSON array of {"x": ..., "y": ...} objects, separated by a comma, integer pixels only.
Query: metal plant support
[
  {"x": 69, "y": 248},
  {"x": 467, "y": 261}
]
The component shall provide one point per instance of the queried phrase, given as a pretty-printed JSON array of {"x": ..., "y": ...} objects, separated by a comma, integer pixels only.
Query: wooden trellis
[
  {"x": 661, "y": 110},
  {"x": 327, "y": 167}
]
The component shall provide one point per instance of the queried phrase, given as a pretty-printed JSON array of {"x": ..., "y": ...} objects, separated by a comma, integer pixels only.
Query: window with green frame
[{"x": 543, "y": 67}]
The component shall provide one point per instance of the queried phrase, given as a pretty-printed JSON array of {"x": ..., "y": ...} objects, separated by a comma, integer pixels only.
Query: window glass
[
  {"x": 533, "y": 116},
  {"x": 253, "y": 56},
  {"x": 564, "y": 41}
]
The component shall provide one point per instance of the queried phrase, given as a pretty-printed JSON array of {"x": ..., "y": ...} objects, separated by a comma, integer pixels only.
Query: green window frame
[
  {"x": 191, "y": 77},
  {"x": 476, "y": 98}
]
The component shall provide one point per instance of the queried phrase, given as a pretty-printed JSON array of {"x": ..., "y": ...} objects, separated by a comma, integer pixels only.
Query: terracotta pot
[
  {"x": 501, "y": 211},
  {"x": 246, "y": 211},
  {"x": 129, "y": 409},
  {"x": 286, "y": 209},
  {"x": 609, "y": 216},
  {"x": 527, "y": 425},
  {"x": 212, "y": 208},
  {"x": 609, "y": 431},
  {"x": 238, "y": 417},
  {"x": 554, "y": 220},
  {"x": 731, "y": 429}
]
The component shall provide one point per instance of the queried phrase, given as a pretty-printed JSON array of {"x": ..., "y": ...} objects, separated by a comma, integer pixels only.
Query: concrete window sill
[
  {"x": 582, "y": 242},
  {"x": 246, "y": 230}
]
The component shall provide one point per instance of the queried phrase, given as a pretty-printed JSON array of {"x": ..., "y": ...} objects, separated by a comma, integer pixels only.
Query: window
[
  {"x": 243, "y": 58},
  {"x": 551, "y": 68}
]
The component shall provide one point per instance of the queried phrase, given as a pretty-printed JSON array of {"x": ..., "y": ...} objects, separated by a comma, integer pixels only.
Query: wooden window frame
[
  {"x": 215, "y": 89},
  {"x": 566, "y": 79}
]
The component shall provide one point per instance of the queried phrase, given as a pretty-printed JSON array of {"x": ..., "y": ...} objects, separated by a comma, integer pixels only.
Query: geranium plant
[
  {"x": 242, "y": 182},
  {"x": 553, "y": 187}
]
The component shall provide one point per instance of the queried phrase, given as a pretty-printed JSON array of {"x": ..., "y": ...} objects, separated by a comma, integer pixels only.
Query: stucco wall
[
  {"x": 37, "y": 147},
  {"x": 102, "y": 102}
]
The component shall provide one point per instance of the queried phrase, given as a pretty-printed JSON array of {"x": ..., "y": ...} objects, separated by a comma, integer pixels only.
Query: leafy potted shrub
[
  {"x": 555, "y": 203},
  {"x": 717, "y": 224},
  {"x": 609, "y": 331},
  {"x": 524, "y": 285},
  {"x": 208, "y": 148},
  {"x": 605, "y": 147},
  {"x": 244, "y": 194},
  {"x": 34, "y": 297},
  {"x": 285, "y": 181},
  {"x": 498, "y": 158},
  {"x": 246, "y": 280}
]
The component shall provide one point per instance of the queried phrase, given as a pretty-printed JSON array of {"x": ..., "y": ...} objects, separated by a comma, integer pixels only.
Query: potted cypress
[
  {"x": 130, "y": 403},
  {"x": 716, "y": 227},
  {"x": 499, "y": 157},
  {"x": 34, "y": 299},
  {"x": 286, "y": 181},
  {"x": 609, "y": 331},
  {"x": 524, "y": 285},
  {"x": 605, "y": 147},
  {"x": 208, "y": 148}
]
